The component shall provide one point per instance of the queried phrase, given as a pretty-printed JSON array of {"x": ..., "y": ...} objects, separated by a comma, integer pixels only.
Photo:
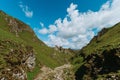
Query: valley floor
[{"x": 59, "y": 73}]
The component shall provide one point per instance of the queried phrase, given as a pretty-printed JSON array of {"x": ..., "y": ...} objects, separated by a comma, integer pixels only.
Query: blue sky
[
  {"x": 46, "y": 11},
  {"x": 67, "y": 23}
]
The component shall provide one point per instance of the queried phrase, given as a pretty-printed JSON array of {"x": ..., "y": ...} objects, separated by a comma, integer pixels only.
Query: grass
[
  {"x": 110, "y": 38},
  {"x": 32, "y": 75},
  {"x": 44, "y": 54},
  {"x": 108, "y": 41}
]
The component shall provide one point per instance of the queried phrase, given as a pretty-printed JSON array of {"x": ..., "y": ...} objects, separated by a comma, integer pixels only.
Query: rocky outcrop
[
  {"x": 19, "y": 59},
  {"x": 63, "y": 50},
  {"x": 15, "y": 26},
  {"x": 13, "y": 73}
]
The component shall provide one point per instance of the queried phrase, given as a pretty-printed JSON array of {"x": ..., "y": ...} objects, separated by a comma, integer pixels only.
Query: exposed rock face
[
  {"x": 30, "y": 62},
  {"x": 19, "y": 59}
]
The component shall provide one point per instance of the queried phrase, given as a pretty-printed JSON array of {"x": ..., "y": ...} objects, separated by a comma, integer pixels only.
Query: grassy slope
[
  {"x": 107, "y": 41},
  {"x": 43, "y": 52}
]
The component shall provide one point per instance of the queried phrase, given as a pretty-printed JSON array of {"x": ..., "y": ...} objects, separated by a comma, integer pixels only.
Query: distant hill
[
  {"x": 22, "y": 53},
  {"x": 100, "y": 59}
]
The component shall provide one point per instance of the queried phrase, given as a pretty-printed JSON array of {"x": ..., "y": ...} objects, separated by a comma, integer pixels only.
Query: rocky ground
[
  {"x": 63, "y": 72},
  {"x": 15, "y": 63}
]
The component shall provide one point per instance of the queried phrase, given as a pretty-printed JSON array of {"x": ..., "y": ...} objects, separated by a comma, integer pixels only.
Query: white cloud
[
  {"x": 43, "y": 31},
  {"x": 76, "y": 29},
  {"x": 52, "y": 28},
  {"x": 26, "y": 10},
  {"x": 57, "y": 41}
]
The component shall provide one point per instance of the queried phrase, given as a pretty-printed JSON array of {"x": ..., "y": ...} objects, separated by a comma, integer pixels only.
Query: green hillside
[
  {"x": 100, "y": 59},
  {"x": 21, "y": 52},
  {"x": 15, "y": 35}
]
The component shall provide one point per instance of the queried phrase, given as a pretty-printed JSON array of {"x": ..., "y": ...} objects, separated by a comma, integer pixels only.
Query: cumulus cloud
[
  {"x": 57, "y": 41},
  {"x": 43, "y": 31},
  {"x": 26, "y": 10},
  {"x": 52, "y": 29},
  {"x": 78, "y": 28}
]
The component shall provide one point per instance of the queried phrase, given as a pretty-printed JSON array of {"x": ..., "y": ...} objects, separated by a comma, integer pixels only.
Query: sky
[{"x": 66, "y": 23}]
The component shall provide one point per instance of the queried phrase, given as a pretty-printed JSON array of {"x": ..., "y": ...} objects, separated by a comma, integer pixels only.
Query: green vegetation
[
  {"x": 17, "y": 32},
  {"x": 109, "y": 39},
  {"x": 99, "y": 60}
]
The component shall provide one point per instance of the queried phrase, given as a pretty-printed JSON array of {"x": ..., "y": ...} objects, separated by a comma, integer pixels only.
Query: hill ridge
[
  {"x": 19, "y": 38},
  {"x": 100, "y": 59}
]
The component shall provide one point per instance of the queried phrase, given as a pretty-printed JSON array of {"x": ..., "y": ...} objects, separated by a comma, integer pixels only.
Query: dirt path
[{"x": 57, "y": 74}]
